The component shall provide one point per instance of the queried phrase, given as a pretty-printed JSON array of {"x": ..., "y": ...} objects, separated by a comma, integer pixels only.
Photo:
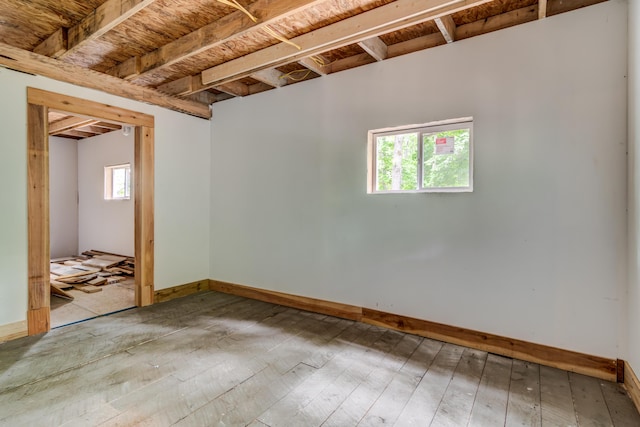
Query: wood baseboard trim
[
  {"x": 344, "y": 311},
  {"x": 180, "y": 291},
  {"x": 594, "y": 366},
  {"x": 13, "y": 331},
  {"x": 632, "y": 385},
  {"x": 567, "y": 360}
]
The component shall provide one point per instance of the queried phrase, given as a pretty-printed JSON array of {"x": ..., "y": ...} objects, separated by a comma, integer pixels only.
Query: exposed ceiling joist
[
  {"x": 542, "y": 9},
  {"x": 106, "y": 125},
  {"x": 29, "y": 62},
  {"x": 126, "y": 70},
  {"x": 105, "y": 17},
  {"x": 68, "y": 124},
  {"x": 204, "y": 97},
  {"x": 317, "y": 63},
  {"x": 234, "y": 88},
  {"x": 381, "y": 20},
  {"x": 78, "y": 134},
  {"x": 374, "y": 47},
  {"x": 215, "y": 34},
  {"x": 193, "y": 35},
  {"x": 272, "y": 77},
  {"x": 447, "y": 27},
  {"x": 55, "y": 45}
]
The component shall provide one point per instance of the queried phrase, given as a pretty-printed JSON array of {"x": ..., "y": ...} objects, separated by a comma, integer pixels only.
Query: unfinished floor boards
[{"x": 213, "y": 359}]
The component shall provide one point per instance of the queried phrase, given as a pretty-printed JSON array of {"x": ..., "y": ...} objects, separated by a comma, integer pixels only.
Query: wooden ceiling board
[
  {"x": 419, "y": 30},
  {"x": 555, "y": 7},
  {"x": 233, "y": 49},
  {"x": 174, "y": 41},
  {"x": 487, "y": 10},
  {"x": 26, "y": 23},
  {"x": 81, "y": 130},
  {"x": 323, "y": 15},
  {"x": 153, "y": 27},
  {"x": 303, "y": 22},
  {"x": 343, "y": 52}
]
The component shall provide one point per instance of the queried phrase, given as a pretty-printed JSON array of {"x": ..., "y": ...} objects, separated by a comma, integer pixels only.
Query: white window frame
[
  {"x": 108, "y": 181},
  {"x": 426, "y": 128}
]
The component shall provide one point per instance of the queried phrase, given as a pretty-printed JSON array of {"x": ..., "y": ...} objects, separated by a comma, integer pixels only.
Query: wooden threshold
[
  {"x": 632, "y": 385},
  {"x": 13, "y": 331},
  {"x": 594, "y": 366}
]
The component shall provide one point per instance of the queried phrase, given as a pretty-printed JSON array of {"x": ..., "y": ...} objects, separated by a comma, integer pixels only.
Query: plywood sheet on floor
[{"x": 114, "y": 297}]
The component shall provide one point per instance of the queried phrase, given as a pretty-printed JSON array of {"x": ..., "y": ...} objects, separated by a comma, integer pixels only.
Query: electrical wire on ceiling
[
  {"x": 236, "y": 5},
  {"x": 277, "y": 36},
  {"x": 266, "y": 28},
  {"x": 293, "y": 74}
]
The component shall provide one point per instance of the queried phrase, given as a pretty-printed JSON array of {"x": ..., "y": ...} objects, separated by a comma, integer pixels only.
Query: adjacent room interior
[
  {"x": 320, "y": 212},
  {"x": 91, "y": 208}
]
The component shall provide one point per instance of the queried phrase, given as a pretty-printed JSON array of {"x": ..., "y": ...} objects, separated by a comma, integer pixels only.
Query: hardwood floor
[{"x": 213, "y": 359}]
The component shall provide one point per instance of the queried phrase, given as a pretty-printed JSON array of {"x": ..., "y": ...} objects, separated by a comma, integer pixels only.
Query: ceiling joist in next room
[
  {"x": 187, "y": 54},
  {"x": 66, "y": 126}
]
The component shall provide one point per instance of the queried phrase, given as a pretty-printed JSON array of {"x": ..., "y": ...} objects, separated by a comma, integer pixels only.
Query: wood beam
[
  {"x": 234, "y": 88},
  {"x": 128, "y": 69},
  {"x": 204, "y": 97},
  {"x": 315, "y": 64},
  {"x": 215, "y": 34},
  {"x": 55, "y": 45},
  {"x": 78, "y": 134},
  {"x": 259, "y": 87},
  {"x": 105, "y": 125},
  {"x": 223, "y": 97},
  {"x": 542, "y": 9},
  {"x": 374, "y": 47},
  {"x": 104, "y": 18},
  {"x": 94, "y": 129},
  {"x": 393, "y": 50},
  {"x": 447, "y": 27},
  {"x": 68, "y": 124},
  {"x": 72, "y": 105},
  {"x": 272, "y": 77},
  {"x": 381, "y": 20},
  {"x": 29, "y": 62}
]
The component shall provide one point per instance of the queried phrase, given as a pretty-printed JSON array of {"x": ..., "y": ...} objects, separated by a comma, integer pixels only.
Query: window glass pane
[
  {"x": 118, "y": 183},
  {"x": 397, "y": 162},
  {"x": 127, "y": 184},
  {"x": 445, "y": 159}
]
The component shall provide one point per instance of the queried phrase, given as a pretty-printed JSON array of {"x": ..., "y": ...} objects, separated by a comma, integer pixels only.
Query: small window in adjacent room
[
  {"x": 432, "y": 157},
  {"x": 117, "y": 182}
]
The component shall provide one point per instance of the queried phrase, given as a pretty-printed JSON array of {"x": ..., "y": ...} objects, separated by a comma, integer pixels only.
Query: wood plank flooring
[{"x": 213, "y": 359}]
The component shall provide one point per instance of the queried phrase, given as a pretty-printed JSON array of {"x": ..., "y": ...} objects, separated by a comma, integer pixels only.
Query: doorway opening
[
  {"x": 40, "y": 102},
  {"x": 91, "y": 218}
]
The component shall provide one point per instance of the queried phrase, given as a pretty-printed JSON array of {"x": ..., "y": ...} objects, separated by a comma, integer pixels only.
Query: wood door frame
[{"x": 38, "y": 104}]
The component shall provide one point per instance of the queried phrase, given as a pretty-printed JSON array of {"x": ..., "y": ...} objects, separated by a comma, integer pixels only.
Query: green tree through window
[{"x": 446, "y": 170}]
